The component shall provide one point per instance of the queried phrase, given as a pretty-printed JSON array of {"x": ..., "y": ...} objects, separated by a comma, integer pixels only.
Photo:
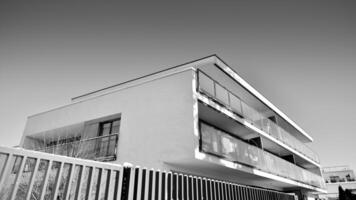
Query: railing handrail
[
  {"x": 79, "y": 141},
  {"x": 314, "y": 155},
  {"x": 312, "y": 176}
]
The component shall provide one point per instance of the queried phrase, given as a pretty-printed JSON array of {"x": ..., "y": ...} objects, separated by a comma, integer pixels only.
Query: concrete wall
[{"x": 156, "y": 119}]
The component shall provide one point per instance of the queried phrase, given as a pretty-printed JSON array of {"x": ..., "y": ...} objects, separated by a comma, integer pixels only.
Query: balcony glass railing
[
  {"x": 101, "y": 148},
  {"x": 219, "y": 93},
  {"x": 221, "y": 144}
]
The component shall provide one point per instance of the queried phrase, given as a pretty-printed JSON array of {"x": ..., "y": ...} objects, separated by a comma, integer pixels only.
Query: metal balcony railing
[
  {"x": 102, "y": 148},
  {"x": 221, "y": 144},
  {"x": 219, "y": 93},
  {"x": 26, "y": 174}
]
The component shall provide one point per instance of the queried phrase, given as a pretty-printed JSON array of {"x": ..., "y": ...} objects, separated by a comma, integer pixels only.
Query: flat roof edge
[
  {"x": 129, "y": 83},
  {"x": 211, "y": 59},
  {"x": 239, "y": 79},
  {"x": 187, "y": 64}
]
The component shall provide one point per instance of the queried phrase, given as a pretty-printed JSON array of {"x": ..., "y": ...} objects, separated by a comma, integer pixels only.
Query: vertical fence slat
[
  {"x": 210, "y": 192},
  {"x": 79, "y": 181},
  {"x": 153, "y": 185},
  {"x": 156, "y": 183},
  {"x": 71, "y": 173},
  {"x": 180, "y": 186},
  {"x": 109, "y": 175},
  {"x": 90, "y": 182},
  {"x": 119, "y": 185},
  {"x": 159, "y": 185},
  {"x": 99, "y": 182},
  {"x": 43, "y": 189},
  {"x": 177, "y": 188},
  {"x": 132, "y": 183},
  {"x": 57, "y": 182},
  {"x": 221, "y": 187},
  {"x": 232, "y": 191},
  {"x": 213, "y": 189},
  {"x": 220, "y": 191},
  {"x": 6, "y": 169},
  {"x": 185, "y": 187},
  {"x": 225, "y": 190},
  {"x": 111, "y": 184},
  {"x": 18, "y": 177},
  {"x": 236, "y": 191},
  {"x": 136, "y": 186},
  {"x": 170, "y": 185},
  {"x": 190, "y": 188},
  {"x": 204, "y": 189},
  {"x": 33, "y": 177},
  {"x": 166, "y": 186},
  {"x": 228, "y": 191},
  {"x": 143, "y": 184},
  {"x": 139, "y": 184},
  {"x": 200, "y": 188},
  {"x": 147, "y": 182}
]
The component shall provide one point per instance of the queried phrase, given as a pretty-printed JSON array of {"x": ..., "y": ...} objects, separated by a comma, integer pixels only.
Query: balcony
[
  {"x": 214, "y": 90},
  {"x": 102, "y": 148},
  {"x": 223, "y": 145}
]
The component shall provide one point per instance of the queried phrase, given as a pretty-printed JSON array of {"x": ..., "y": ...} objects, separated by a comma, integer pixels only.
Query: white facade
[
  {"x": 337, "y": 176},
  {"x": 164, "y": 116}
]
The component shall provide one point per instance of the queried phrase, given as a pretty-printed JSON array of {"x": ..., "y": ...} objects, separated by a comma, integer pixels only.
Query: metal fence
[
  {"x": 212, "y": 88},
  {"x": 35, "y": 175}
]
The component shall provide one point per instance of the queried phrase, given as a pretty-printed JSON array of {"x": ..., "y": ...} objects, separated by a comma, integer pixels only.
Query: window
[
  {"x": 334, "y": 179},
  {"x": 108, "y": 137},
  {"x": 109, "y": 127}
]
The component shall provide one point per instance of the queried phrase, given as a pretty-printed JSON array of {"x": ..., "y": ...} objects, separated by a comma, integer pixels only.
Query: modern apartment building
[
  {"x": 197, "y": 118},
  {"x": 337, "y": 176}
]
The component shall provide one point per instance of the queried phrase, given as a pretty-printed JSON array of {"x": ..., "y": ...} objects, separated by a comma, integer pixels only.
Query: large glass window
[
  {"x": 108, "y": 131},
  {"x": 109, "y": 127}
]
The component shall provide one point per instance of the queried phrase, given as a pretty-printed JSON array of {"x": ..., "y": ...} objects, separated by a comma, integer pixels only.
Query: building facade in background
[
  {"x": 198, "y": 118},
  {"x": 337, "y": 176}
]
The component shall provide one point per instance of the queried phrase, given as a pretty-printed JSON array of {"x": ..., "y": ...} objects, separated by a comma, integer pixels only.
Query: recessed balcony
[
  {"x": 101, "y": 148},
  {"x": 226, "y": 146},
  {"x": 263, "y": 121}
]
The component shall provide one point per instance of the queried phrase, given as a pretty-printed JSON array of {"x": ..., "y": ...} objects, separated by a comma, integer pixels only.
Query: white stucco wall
[{"x": 156, "y": 119}]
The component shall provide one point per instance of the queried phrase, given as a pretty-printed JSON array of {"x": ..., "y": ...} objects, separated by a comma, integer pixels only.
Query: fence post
[{"x": 126, "y": 172}]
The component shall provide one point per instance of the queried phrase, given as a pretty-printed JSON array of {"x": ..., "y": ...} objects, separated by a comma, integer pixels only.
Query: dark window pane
[
  {"x": 116, "y": 123},
  {"x": 105, "y": 129},
  {"x": 115, "y": 129}
]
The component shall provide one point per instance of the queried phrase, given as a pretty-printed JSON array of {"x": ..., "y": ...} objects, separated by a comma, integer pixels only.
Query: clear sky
[{"x": 301, "y": 55}]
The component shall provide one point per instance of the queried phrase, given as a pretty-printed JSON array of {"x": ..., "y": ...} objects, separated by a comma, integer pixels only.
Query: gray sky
[{"x": 301, "y": 55}]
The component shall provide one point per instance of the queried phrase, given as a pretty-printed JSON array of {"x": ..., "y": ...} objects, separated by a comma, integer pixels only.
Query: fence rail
[
  {"x": 213, "y": 89},
  {"x": 32, "y": 175}
]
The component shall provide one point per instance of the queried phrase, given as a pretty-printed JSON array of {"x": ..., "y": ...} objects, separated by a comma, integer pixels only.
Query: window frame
[
  {"x": 110, "y": 134},
  {"x": 111, "y": 121}
]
